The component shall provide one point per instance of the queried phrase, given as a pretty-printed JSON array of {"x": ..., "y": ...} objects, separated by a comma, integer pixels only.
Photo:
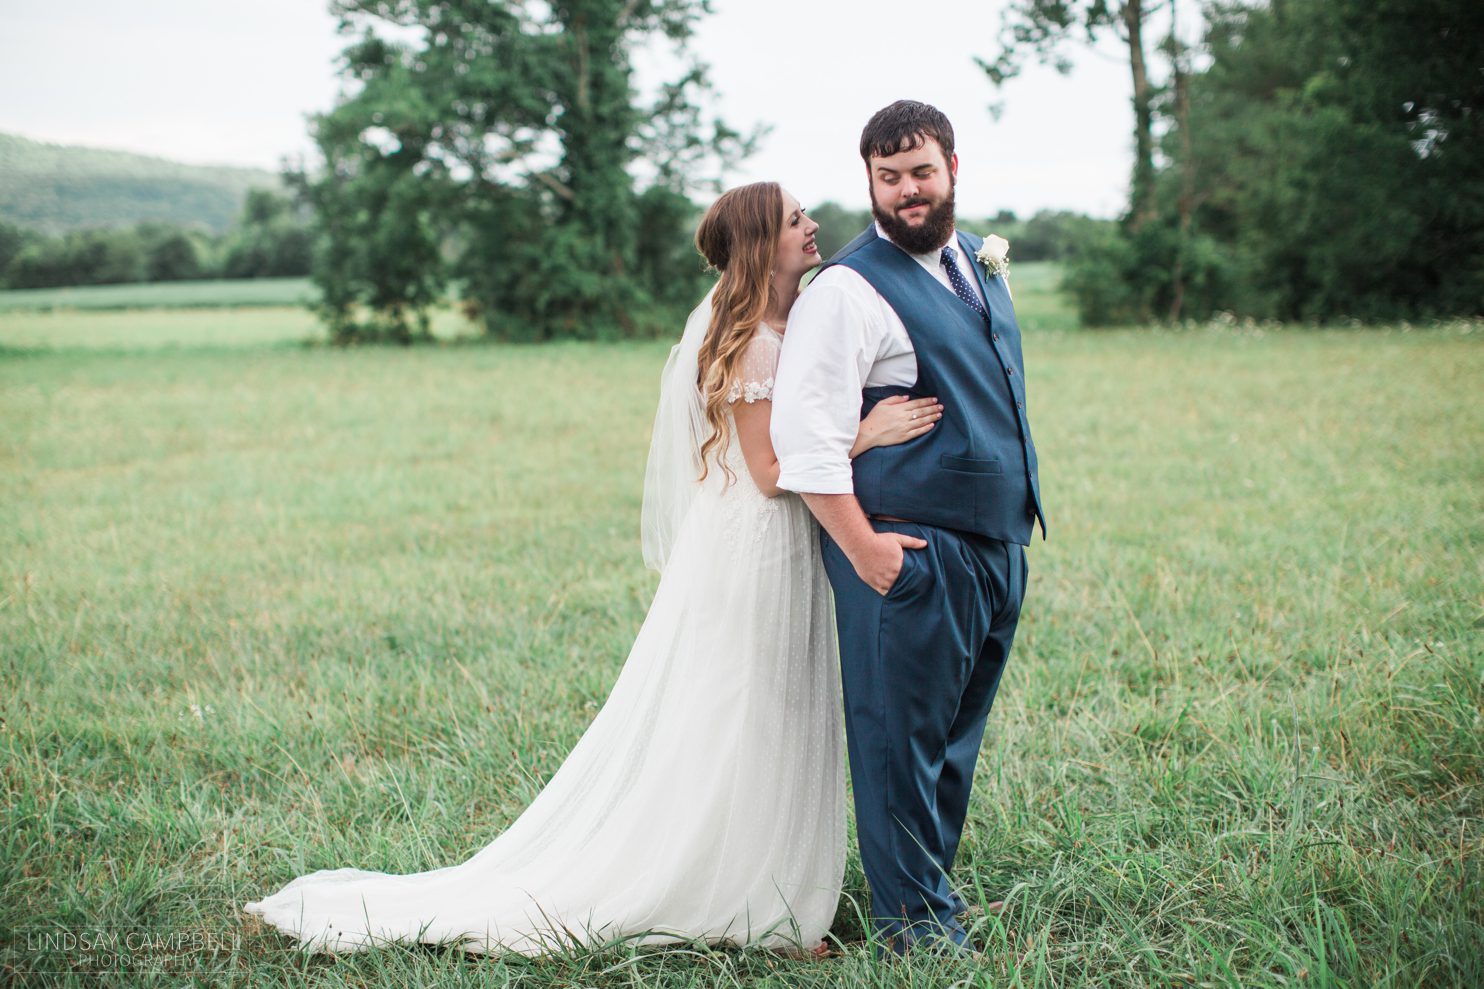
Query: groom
[{"x": 923, "y": 542}]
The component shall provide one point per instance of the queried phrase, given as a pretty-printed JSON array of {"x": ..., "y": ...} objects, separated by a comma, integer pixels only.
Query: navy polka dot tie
[{"x": 961, "y": 286}]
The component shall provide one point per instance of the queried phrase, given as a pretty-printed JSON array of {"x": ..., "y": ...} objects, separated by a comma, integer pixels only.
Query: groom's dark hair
[{"x": 905, "y": 126}]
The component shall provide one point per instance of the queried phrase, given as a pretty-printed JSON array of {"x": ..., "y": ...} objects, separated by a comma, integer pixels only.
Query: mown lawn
[{"x": 268, "y": 609}]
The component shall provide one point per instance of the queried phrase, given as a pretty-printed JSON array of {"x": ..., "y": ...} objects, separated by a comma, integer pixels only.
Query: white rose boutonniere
[{"x": 994, "y": 255}]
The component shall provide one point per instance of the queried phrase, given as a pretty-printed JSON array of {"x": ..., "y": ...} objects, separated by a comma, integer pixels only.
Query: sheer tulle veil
[{"x": 671, "y": 478}]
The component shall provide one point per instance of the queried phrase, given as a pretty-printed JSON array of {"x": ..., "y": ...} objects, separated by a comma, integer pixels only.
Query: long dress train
[{"x": 706, "y": 799}]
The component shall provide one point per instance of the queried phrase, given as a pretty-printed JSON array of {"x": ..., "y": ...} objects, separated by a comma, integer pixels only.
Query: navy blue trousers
[{"x": 920, "y": 668}]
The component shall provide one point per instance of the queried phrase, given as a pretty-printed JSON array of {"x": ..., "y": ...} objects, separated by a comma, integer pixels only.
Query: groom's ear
[{"x": 953, "y": 164}]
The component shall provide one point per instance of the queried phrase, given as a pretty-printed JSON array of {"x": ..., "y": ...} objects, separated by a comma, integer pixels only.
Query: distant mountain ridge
[{"x": 55, "y": 188}]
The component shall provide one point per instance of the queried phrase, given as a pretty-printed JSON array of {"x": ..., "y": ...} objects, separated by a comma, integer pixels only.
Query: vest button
[
  {"x": 1010, "y": 371},
  {"x": 996, "y": 338}
]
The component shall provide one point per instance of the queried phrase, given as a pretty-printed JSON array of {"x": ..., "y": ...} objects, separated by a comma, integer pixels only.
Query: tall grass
[{"x": 268, "y": 610}]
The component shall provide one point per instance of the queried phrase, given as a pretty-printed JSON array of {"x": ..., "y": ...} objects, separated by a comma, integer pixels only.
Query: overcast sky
[{"x": 231, "y": 81}]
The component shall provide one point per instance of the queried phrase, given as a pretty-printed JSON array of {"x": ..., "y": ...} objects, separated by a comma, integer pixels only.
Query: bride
[{"x": 705, "y": 801}]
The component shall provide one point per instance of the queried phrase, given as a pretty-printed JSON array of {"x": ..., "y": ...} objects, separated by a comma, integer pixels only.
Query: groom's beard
[{"x": 929, "y": 236}]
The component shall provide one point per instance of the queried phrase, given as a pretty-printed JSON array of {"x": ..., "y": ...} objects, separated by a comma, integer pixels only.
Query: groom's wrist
[{"x": 842, "y": 517}]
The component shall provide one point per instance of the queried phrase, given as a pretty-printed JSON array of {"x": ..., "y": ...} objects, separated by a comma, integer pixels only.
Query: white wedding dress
[{"x": 706, "y": 799}]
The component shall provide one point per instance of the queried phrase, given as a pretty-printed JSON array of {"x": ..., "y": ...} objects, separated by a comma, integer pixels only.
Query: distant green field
[
  {"x": 266, "y": 609},
  {"x": 1035, "y": 284},
  {"x": 1039, "y": 302},
  {"x": 157, "y": 329},
  {"x": 224, "y": 293},
  {"x": 255, "y": 313}
]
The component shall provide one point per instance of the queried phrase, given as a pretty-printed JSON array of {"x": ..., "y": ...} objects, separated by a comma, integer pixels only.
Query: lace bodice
[
  {"x": 759, "y": 366},
  {"x": 747, "y": 508}
]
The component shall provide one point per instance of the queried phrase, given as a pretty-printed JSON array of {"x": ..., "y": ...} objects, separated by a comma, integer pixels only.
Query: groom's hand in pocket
[
  {"x": 876, "y": 556},
  {"x": 879, "y": 561}
]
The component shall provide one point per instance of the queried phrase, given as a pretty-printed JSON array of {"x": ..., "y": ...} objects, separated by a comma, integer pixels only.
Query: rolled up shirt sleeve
[{"x": 828, "y": 351}]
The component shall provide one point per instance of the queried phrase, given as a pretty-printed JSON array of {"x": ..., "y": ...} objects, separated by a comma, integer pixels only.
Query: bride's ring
[{"x": 914, "y": 415}]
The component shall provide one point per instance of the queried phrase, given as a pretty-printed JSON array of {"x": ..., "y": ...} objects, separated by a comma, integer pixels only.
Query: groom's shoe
[
  {"x": 951, "y": 941},
  {"x": 941, "y": 947}
]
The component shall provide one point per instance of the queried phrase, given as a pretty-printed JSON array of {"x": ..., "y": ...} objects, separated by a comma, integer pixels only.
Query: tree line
[
  {"x": 1308, "y": 160},
  {"x": 502, "y": 156},
  {"x": 1293, "y": 159},
  {"x": 271, "y": 239}
]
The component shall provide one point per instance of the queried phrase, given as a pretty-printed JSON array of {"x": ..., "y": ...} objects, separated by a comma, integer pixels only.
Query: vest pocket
[{"x": 964, "y": 465}]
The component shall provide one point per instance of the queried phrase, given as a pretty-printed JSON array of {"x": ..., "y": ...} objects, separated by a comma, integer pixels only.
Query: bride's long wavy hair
[{"x": 739, "y": 237}]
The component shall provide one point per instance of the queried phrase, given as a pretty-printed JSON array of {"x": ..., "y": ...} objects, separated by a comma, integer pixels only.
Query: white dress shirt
[{"x": 842, "y": 337}]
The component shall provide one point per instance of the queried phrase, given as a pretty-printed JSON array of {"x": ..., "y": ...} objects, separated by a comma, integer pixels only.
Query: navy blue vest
[{"x": 976, "y": 470}]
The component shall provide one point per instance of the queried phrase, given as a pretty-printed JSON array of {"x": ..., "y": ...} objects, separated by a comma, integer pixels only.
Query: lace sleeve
[{"x": 759, "y": 364}]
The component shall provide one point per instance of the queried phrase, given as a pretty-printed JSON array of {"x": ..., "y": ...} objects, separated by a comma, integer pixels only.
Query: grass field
[
  {"x": 242, "y": 292},
  {"x": 267, "y": 609}
]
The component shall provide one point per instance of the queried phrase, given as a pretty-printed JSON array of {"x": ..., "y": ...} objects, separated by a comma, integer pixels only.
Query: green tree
[
  {"x": 270, "y": 240},
  {"x": 85, "y": 257},
  {"x": 1041, "y": 29},
  {"x": 1326, "y": 163},
  {"x": 838, "y": 225},
  {"x": 498, "y": 150},
  {"x": 1338, "y": 149},
  {"x": 666, "y": 260},
  {"x": 12, "y": 240},
  {"x": 1048, "y": 235},
  {"x": 170, "y": 254}
]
